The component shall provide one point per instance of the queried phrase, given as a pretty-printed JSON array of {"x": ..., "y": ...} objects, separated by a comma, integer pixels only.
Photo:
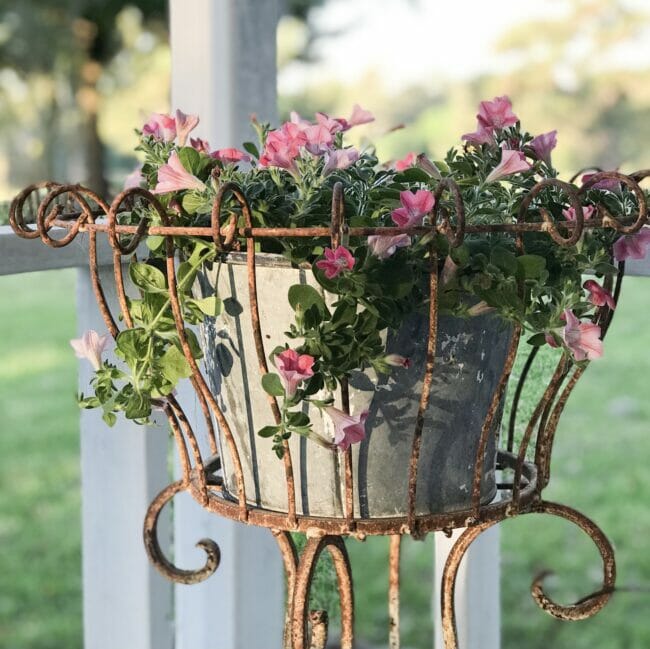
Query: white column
[
  {"x": 223, "y": 69},
  {"x": 126, "y": 603},
  {"x": 477, "y": 591}
]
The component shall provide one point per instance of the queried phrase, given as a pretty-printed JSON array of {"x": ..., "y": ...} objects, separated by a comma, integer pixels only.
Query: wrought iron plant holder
[{"x": 69, "y": 210}]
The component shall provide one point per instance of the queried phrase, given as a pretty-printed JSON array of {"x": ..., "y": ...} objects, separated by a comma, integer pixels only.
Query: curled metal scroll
[
  {"x": 551, "y": 227},
  {"x": 582, "y": 609},
  {"x": 630, "y": 181},
  {"x": 155, "y": 553},
  {"x": 17, "y": 209}
]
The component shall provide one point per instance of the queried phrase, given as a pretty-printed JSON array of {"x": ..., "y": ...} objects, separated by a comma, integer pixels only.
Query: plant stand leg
[{"x": 477, "y": 591}]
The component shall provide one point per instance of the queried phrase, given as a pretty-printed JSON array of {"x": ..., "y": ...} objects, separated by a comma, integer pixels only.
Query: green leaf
[
  {"x": 174, "y": 365},
  {"x": 195, "y": 202},
  {"x": 394, "y": 278},
  {"x": 138, "y": 405},
  {"x": 297, "y": 419},
  {"x": 190, "y": 159},
  {"x": 109, "y": 418},
  {"x": 505, "y": 260},
  {"x": 606, "y": 269},
  {"x": 155, "y": 242},
  {"x": 531, "y": 266},
  {"x": 269, "y": 431},
  {"x": 193, "y": 342},
  {"x": 413, "y": 175},
  {"x": 307, "y": 296},
  {"x": 460, "y": 255},
  {"x": 132, "y": 344},
  {"x": 537, "y": 340},
  {"x": 88, "y": 402},
  {"x": 211, "y": 306},
  {"x": 272, "y": 385},
  {"x": 313, "y": 385},
  {"x": 345, "y": 313},
  {"x": 249, "y": 147},
  {"x": 147, "y": 277}
]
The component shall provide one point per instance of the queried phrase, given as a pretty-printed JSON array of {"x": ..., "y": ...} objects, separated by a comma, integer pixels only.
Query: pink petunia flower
[
  {"x": 160, "y": 127},
  {"x": 598, "y": 295},
  {"x": 185, "y": 124},
  {"x": 415, "y": 206},
  {"x": 512, "y": 162},
  {"x": 336, "y": 262},
  {"x": 582, "y": 338},
  {"x": 318, "y": 139},
  {"x": 407, "y": 161},
  {"x": 348, "y": 429},
  {"x": 570, "y": 213},
  {"x": 482, "y": 135},
  {"x": 134, "y": 179},
  {"x": 496, "y": 113},
  {"x": 90, "y": 346},
  {"x": 173, "y": 177},
  {"x": 230, "y": 156},
  {"x": 332, "y": 124},
  {"x": 293, "y": 368},
  {"x": 480, "y": 308},
  {"x": 359, "y": 116},
  {"x": 283, "y": 147},
  {"x": 295, "y": 118},
  {"x": 543, "y": 144},
  {"x": 396, "y": 360},
  {"x": 609, "y": 184},
  {"x": 449, "y": 271},
  {"x": 632, "y": 246},
  {"x": 200, "y": 145},
  {"x": 339, "y": 159},
  {"x": 385, "y": 246}
]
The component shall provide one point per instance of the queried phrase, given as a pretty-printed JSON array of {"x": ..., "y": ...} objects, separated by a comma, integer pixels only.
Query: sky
[{"x": 411, "y": 40}]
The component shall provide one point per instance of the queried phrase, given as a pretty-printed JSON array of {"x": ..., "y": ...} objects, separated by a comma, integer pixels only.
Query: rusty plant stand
[{"x": 68, "y": 210}]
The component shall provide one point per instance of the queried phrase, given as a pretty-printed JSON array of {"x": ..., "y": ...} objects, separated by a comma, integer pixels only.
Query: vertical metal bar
[
  {"x": 394, "y": 552},
  {"x": 426, "y": 389}
]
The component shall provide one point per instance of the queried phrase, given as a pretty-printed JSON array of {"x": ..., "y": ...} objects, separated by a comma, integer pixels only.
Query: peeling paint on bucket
[{"x": 470, "y": 357}]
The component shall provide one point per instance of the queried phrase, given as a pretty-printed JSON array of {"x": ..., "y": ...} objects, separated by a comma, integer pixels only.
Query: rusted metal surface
[
  {"x": 312, "y": 551},
  {"x": 426, "y": 389},
  {"x": 584, "y": 608},
  {"x": 488, "y": 424},
  {"x": 394, "y": 552},
  {"x": 78, "y": 210}
]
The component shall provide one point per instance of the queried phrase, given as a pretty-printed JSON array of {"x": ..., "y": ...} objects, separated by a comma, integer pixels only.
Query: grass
[
  {"x": 40, "y": 562},
  {"x": 599, "y": 467}
]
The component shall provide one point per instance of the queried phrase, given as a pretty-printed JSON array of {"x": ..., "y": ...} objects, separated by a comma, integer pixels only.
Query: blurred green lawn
[{"x": 601, "y": 459}]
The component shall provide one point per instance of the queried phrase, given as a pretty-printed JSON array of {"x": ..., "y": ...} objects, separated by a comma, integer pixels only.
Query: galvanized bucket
[{"x": 469, "y": 361}]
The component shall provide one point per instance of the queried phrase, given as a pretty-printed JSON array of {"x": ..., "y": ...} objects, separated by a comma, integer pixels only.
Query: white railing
[{"x": 223, "y": 65}]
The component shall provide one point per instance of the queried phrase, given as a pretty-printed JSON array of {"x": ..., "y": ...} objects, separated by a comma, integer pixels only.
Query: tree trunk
[
  {"x": 94, "y": 155},
  {"x": 88, "y": 102}
]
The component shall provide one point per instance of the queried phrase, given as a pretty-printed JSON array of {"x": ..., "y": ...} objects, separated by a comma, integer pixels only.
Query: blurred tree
[
  {"x": 73, "y": 41},
  {"x": 62, "y": 50},
  {"x": 580, "y": 69}
]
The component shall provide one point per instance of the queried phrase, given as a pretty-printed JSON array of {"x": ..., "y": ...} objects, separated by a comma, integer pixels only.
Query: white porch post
[
  {"x": 478, "y": 591},
  {"x": 126, "y": 603},
  {"x": 223, "y": 69}
]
